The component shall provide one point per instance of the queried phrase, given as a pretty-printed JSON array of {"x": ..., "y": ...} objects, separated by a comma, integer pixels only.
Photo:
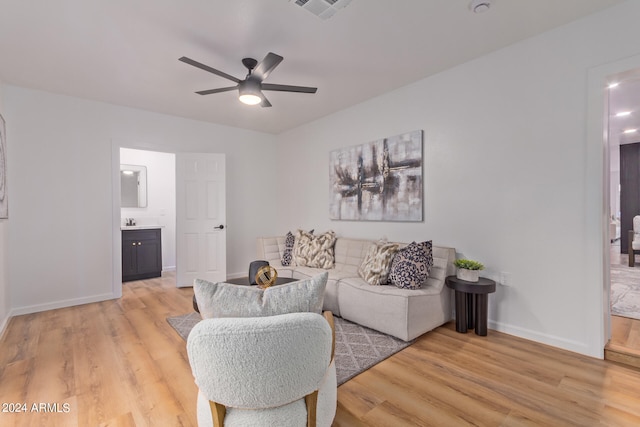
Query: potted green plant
[{"x": 468, "y": 269}]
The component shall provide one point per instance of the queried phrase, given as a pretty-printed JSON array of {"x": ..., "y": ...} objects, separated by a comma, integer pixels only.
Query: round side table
[{"x": 472, "y": 303}]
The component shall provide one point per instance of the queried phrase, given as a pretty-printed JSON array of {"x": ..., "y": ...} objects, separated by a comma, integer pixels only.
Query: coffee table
[{"x": 244, "y": 281}]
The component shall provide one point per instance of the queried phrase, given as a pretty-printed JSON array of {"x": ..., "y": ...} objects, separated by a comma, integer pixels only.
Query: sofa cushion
[
  {"x": 349, "y": 254},
  {"x": 331, "y": 291},
  {"x": 411, "y": 265},
  {"x": 228, "y": 300},
  {"x": 314, "y": 251},
  {"x": 287, "y": 255},
  {"x": 402, "y": 313},
  {"x": 375, "y": 265}
]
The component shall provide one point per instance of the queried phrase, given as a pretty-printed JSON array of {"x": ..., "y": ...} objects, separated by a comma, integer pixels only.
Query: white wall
[
  {"x": 505, "y": 167},
  {"x": 509, "y": 178},
  {"x": 161, "y": 198},
  {"x": 62, "y": 217},
  {"x": 4, "y": 276}
]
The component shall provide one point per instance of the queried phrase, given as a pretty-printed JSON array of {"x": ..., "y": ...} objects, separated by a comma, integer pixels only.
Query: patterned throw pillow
[
  {"x": 314, "y": 251},
  {"x": 375, "y": 265},
  {"x": 411, "y": 265},
  {"x": 287, "y": 255}
]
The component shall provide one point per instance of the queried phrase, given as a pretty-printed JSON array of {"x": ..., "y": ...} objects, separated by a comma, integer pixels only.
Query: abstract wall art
[{"x": 378, "y": 181}]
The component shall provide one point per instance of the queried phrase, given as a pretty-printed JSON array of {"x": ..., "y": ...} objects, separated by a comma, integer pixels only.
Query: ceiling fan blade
[
  {"x": 266, "y": 66},
  {"x": 265, "y": 102},
  {"x": 222, "y": 89},
  {"x": 288, "y": 88},
  {"x": 209, "y": 69}
]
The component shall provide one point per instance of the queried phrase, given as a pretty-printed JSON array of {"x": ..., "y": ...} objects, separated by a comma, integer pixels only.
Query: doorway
[
  {"x": 623, "y": 129},
  {"x": 198, "y": 251},
  {"x": 597, "y": 215},
  {"x": 623, "y": 184},
  {"x": 159, "y": 208}
]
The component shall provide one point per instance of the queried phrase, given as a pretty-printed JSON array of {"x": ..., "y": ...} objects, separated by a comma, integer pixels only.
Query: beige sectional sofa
[{"x": 403, "y": 313}]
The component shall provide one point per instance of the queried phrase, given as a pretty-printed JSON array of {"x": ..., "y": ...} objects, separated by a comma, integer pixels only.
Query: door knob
[{"x": 220, "y": 227}]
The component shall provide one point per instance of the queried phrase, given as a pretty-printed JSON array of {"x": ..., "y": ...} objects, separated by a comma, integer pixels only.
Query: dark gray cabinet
[{"x": 141, "y": 254}]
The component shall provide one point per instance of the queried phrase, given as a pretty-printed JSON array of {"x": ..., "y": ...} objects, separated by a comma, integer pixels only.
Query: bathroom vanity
[{"x": 141, "y": 253}]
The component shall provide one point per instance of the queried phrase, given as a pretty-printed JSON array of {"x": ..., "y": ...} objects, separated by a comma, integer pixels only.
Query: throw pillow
[
  {"x": 411, "y": 265},
  {"x": 375, "y": 265},
  {"x": 227, "y": 300},
  {"x": 287, "y": 255},
  {"x": 314, "y": 251}
]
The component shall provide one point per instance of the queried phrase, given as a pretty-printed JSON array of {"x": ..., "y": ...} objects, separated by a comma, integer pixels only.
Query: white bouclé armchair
[{"x": 265, "y": 371}]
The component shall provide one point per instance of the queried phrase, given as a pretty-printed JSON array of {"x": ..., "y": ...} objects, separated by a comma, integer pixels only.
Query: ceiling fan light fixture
[
  {"x": 250, "y": 89},
  {"x": 249, "y": 92},
  {"x": 250, "y": 99}
]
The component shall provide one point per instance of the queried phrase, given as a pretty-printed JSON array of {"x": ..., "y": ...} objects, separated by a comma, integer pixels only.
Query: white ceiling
[
  {"x": 126, "y": 52},
  {"x": 624, "y": 98}
]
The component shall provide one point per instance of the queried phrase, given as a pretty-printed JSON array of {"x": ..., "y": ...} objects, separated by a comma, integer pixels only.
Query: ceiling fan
[{"x": 250, "y": 89}]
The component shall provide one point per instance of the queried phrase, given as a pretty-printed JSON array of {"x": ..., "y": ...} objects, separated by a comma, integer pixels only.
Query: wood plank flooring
[
  {"x": 119, "y": 363},
  {"x": 115, "y": 363},
  {"x": 624, "y": 345}
]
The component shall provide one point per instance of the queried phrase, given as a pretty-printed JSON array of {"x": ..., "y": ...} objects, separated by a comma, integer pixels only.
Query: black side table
[{"x": 472, "y": 303}]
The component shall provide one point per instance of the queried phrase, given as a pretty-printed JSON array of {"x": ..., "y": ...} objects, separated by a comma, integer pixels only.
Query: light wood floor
[
  {"x": 624, "y": 346},
  {"x": 119, "y": 363}
]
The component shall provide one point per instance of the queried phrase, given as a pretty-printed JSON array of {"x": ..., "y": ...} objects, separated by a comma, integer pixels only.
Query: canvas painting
[
  {"x": 4, "y": 206},
  {"x": 378, "y": 181}
]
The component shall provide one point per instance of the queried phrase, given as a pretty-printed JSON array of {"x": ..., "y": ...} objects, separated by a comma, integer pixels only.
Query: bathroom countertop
[{"x": 140, "y": 227}]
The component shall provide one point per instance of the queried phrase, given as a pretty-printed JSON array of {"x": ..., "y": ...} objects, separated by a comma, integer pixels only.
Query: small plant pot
[{"x": 468, "y": 275}]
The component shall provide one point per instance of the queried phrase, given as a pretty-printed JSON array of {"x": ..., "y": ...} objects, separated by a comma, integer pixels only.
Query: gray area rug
[
  {"x": 357, "y": 348},
  {"x": 625, "y": 291}
]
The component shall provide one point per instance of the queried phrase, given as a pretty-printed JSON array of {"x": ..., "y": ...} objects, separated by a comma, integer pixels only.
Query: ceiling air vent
[{"x": 325, "y": 9}]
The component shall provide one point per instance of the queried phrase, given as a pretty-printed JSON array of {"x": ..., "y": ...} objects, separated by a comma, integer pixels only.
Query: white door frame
[
  {"x": 597, "y": 191},
  {"x": 116, "y": 250},
  {"x": 116, "y": 263}
]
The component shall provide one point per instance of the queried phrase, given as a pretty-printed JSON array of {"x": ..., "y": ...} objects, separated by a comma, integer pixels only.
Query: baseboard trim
[
  {"x": 28, "y": 309},
  {"x": 236, "y": 275},
  {"x": 552, "y": 340}
]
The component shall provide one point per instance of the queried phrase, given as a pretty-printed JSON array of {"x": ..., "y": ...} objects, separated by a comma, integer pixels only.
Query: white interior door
[{"x": 200, "y": 218}]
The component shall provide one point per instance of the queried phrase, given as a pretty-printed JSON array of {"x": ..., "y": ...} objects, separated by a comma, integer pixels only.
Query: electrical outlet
[{"x": 505, "y": 278}]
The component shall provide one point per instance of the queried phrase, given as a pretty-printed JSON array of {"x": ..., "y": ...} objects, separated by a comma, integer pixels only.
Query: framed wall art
[
  {"x": 378, "y": 181},
  {"x": 4, "y": 206}
]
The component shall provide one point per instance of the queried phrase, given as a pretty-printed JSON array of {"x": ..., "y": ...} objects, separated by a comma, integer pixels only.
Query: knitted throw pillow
[
  {"x": 314, "y": 251},
  {"x": 411, "y": 265},
  {"x": 375, "y": 265}
]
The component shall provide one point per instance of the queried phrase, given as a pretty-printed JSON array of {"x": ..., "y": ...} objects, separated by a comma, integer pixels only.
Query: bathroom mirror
[{"x": 133, "y": 186}]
